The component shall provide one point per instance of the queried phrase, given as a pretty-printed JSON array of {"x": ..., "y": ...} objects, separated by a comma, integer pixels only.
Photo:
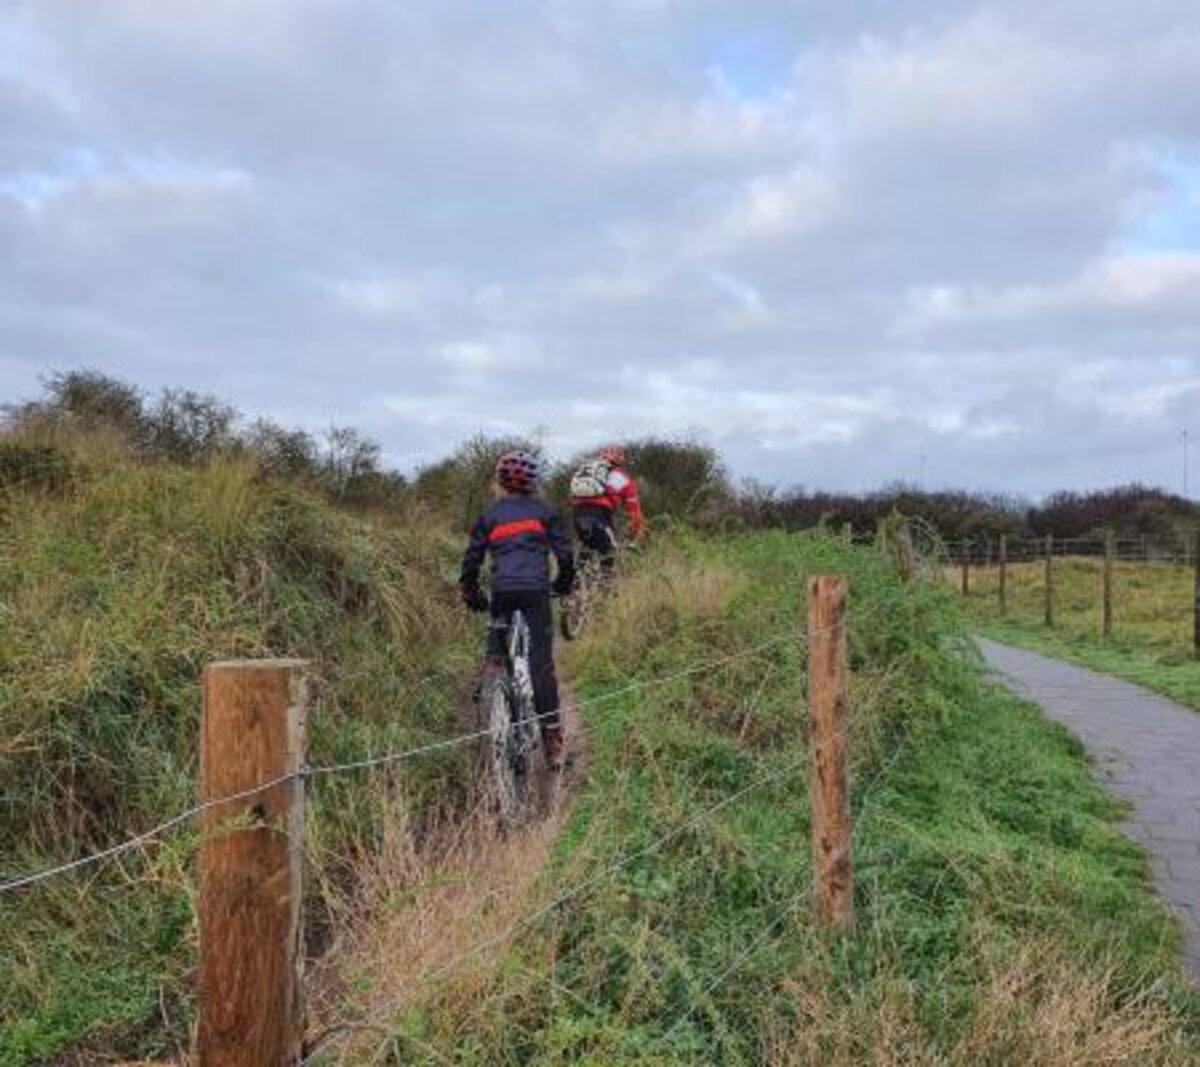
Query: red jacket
[{"x": 622, "y": 492}]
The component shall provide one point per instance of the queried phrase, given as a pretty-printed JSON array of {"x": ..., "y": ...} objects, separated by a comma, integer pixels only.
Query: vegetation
[
  {"x": 119, "y": 580},
  {"x": 1152, "y": 633},
  {"x": 1001, "y": 918}
]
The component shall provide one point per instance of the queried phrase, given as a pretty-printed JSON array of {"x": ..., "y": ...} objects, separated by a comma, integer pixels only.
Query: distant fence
[
  {"x": 253, "y": 783},
  {"x": 997, "y": 554}
]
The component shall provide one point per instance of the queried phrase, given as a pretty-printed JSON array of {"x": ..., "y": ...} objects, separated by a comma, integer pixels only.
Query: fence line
[
  {"x": 835, "y": 742},
  {"x": 302, "y": 771},
  {"x": 1106, "y": 551},
  {"x": 384, "y": 759}
]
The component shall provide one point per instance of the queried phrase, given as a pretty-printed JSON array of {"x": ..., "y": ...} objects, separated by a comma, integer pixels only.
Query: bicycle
[{"x": 507, "y": 719}]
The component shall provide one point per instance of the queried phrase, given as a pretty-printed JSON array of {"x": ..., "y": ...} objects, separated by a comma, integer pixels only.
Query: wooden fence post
[
  {"x": 1049, "y": 582},
  {"x": 1196, "y": 593},
  {"x": 252, "y": 731},
  {"x": 1003, "y": 584},
  {"x": 1106, "y": 613},
  {"x": 847, "y": 532},
  {"x": 832, "y": 863}
]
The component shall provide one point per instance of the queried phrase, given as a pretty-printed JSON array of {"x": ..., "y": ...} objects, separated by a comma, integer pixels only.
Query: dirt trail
[{"x": 427, "y": 914}]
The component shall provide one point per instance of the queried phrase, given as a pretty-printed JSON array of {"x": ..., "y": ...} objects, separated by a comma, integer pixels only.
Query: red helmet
[
  {"x": 518, "y": 471},
  {"x": 613, "y": 454}
]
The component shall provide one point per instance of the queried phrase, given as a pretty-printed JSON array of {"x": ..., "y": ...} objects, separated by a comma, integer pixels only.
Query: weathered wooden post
[
  {"x": 827, "y": 702},
  {"x": 847, "y": 532},
  {"x": 252, "y": 732},
  {"x": 1003, "y": 582},
  {"x": 965, "y": 561},
  {"x": 1049, "y": 582},
  {"x": 1106, "y": 611},
  {"x": 1196, "y": 593}
]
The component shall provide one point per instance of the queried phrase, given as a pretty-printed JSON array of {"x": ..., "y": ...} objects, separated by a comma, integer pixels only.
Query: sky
[{"x": 845, "y": 244}]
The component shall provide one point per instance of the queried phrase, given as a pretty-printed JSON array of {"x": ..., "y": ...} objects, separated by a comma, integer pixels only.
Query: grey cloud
[{"x": 917, "y": 235}]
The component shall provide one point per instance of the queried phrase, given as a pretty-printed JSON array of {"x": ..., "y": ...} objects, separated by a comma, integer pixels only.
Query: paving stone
[{"x": 1148, "y": 753}]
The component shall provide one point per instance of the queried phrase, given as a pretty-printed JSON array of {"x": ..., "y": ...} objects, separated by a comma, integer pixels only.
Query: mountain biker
[
  {"x": 519, "y": 532},
  {"x": 599, "y": 488}
]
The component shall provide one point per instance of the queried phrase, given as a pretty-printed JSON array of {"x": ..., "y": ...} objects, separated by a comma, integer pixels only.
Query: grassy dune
[
  {"x": 1152, "y": 635},
  {"x": 119, "y": 580},
  {"x": 1001, "y": 919}
]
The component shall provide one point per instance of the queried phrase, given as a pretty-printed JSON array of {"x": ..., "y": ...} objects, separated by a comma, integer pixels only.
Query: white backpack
[{"x": 591, "y": 480}]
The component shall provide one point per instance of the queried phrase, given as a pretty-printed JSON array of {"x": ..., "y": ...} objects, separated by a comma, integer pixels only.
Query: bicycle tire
[
  {"x": 574, "y": 616},
  {"x": 505, "y": 787},
  {"x": 579, "y": 607}
]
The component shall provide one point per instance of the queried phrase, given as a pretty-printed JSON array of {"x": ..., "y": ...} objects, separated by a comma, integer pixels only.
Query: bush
[
  {"x": 86, "y": 400},
  {"x": 24, "y": 465},
  {"x": 188, "y": 427}
]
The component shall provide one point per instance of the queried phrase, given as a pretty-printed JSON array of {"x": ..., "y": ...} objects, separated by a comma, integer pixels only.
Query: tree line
[{"x": 682, "y": 479}]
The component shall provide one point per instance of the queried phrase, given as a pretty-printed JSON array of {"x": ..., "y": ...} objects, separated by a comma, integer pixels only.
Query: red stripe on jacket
[{"x": 514, "y": 529}]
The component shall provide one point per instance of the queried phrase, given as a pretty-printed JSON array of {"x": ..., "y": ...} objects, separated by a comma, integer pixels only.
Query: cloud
[{"x": 830, "y": 238}]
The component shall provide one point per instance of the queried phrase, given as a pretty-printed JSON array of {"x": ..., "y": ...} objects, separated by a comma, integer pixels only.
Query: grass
[
  {"x": 1152, "y": 639},
  {"x": 119, "y": 580},
  {"x": 1001, "y": 917}
]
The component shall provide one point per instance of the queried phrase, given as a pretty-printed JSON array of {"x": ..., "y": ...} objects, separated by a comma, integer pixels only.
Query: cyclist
[
  {"x": 599, "y": 488},
  {"x": 519, "y": 532}
]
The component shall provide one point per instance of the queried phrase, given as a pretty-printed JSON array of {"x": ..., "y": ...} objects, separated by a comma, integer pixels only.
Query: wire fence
[
  {"x": 985, "y": 552},
  {"x": 145, "y": 837},
  {"x": 327, "y": 1043}
]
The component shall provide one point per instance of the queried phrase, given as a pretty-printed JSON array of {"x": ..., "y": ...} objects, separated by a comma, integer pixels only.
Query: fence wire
[
  {"x": 325, "y": 1043},
  {"x": 384, "y": 759}
]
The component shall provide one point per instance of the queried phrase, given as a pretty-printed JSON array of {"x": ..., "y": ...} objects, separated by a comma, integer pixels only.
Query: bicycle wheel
[
  {"x": 577, "y": 608},
  {"x": 497, "y": 712}
]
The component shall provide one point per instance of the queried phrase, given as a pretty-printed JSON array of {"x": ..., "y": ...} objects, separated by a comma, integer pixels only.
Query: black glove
[
  {"x": 564, "y": 582},
  {"x": 474, "y": 599}
]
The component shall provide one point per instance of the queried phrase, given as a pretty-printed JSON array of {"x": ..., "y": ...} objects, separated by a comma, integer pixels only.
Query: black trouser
[
  {"x": 539, "y": 616},
  {"x": 594, "y": 528}
]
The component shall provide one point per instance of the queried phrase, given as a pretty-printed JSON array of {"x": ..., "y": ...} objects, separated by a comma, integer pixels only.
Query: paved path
[{"x": 1148, "y": 751}]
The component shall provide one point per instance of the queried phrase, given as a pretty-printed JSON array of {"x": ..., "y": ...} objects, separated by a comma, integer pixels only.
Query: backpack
[{"x": 591, "y": 480}]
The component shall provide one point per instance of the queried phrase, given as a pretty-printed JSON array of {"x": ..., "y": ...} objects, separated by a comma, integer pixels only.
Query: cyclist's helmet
[
  {"x": 518, "y": 471},
  {"x": 613, "y": 454}
]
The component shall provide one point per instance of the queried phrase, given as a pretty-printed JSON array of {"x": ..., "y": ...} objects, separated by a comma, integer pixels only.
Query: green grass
[
  {"x": 117, "y": 584},
  {"x": 1000, "y": 917},
  {"x": 1152, "y": 634},
  {"x": 987, "y": 862}
]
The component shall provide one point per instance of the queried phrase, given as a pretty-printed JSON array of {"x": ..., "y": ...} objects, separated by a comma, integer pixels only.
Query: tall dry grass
[{"x": 1032, "y": 1007}]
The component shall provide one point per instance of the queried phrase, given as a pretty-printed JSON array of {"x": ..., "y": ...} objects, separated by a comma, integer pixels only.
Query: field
[
  {"x": 1152, "y": 632},
  {"x": 662, "y": 917}
]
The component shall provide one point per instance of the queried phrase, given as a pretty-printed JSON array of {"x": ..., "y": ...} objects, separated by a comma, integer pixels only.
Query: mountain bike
[{"x": 507, "y": 720}]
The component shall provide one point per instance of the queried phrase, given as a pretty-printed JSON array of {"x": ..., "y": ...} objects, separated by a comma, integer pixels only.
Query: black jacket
[{"x": 519, "y": 532}]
